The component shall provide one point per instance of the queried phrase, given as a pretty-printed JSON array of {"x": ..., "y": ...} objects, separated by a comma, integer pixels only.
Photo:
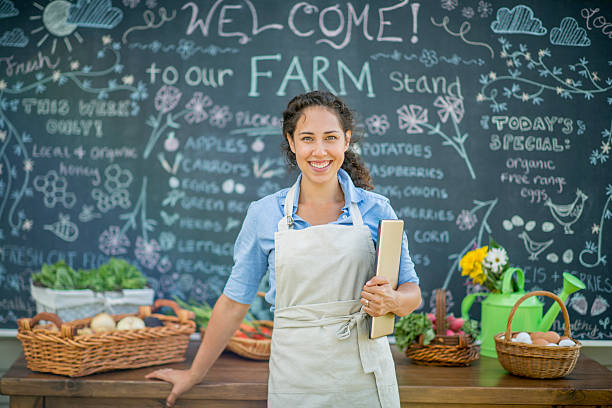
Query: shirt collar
[{"x": 351, "y": 193}]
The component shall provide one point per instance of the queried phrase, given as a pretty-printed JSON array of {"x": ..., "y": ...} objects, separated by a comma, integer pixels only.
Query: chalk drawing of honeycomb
[{"x": 54, "y": 188}]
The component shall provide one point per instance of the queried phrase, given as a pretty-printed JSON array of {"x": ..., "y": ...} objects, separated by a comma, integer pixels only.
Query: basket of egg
[{"x": 538, "y": 354}]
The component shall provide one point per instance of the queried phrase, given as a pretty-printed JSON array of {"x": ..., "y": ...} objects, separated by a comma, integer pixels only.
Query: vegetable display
[
  {"x": 114, "y": 275},
  {"x": 409, "y": 328},
  {"x": 249, "y": 328}
]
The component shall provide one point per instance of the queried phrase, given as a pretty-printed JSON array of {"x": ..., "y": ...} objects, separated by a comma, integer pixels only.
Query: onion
[
  {"x": 130, "y": 323},
  {"x": 102, "y": 322}
]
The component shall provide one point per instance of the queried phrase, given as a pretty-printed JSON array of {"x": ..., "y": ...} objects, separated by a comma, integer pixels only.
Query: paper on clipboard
[{"x": 388, "y": 252}]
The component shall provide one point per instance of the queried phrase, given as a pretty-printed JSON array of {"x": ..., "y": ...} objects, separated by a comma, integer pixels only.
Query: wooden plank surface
[{"x": 244, "y": 382}]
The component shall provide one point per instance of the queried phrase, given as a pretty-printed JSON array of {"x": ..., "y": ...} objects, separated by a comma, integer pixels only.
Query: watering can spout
[{"x": 571, "y": 284}]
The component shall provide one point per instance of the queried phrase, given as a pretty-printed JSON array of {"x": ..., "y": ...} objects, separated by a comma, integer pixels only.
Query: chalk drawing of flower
[
  {"x": 131, "y": 3},
  {"x": 484, "y": 9},
  {"x": 197, "y": 108},
  {"x": 467, "y": 12},
  {"x": 113, "y": 242},
  {"x": 451, "y": 106},
  {"x": 449, "y": 4},
  {"x": 167, "y": 98},
  {"x": 466, "y": 220},
  {"x": 377, "y": 124},
  {"x": 164, "y": 265},
  {"x": 198, "y": 293},
  {"x": 411, "y": 117},
  {"x": 219, "y": 116},
  {"x": 186, "y": 48},
  {"x": 429, "y": 58},
  {"x": 147, "y": 252}
]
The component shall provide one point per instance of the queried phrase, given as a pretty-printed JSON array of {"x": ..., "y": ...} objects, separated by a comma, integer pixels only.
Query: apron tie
[{"x": 344, "y": 331}]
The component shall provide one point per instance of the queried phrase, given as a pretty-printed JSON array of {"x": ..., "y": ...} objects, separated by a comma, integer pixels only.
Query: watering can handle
[
  {"x": 507, "y": 280},
  {"x": 466, "y": 304}
]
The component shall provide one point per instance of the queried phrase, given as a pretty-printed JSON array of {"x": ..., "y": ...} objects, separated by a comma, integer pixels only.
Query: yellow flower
[{"x": 471, "y": 264}]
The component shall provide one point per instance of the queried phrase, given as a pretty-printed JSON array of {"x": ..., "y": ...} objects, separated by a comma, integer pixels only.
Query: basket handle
[
  {"x": 566, "y": 331},
  {"x": 28, "y": 324},
  {"x": 441, "y": 312},
  {"x": 182, "y": 314}
]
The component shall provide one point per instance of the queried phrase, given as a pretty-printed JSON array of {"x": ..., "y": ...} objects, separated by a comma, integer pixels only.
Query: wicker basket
[
  {"x": 57, "y": 348},
  {"x": 534, "y": 361},
  {"x": 451, "y": 351},
  {"x": 251, "y": 348}
]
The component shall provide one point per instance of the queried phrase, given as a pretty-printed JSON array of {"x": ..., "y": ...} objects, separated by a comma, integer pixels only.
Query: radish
[
  {"x": 456, "y": 324},
  {"x": 431, "y": 317},
  {"x": 449, "y": 332}
]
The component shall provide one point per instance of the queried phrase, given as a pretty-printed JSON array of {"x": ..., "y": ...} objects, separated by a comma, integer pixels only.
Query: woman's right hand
[{"x": 181, "y": 380}]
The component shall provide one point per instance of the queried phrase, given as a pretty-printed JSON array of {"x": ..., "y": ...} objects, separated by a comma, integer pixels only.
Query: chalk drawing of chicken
[
  {"x": 567, "y": 214},
  {"x": 534, "y": 248}
]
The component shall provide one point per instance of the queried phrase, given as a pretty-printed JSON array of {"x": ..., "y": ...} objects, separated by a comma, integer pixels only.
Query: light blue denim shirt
[{"x": 254, "y": 248}]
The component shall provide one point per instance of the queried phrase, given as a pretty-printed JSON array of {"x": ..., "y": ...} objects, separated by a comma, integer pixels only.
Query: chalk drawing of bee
[{"x": 64, "y": 228}]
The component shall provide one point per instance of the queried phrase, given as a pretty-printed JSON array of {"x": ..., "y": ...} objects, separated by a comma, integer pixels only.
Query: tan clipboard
[{"x": 388, "y": 252}]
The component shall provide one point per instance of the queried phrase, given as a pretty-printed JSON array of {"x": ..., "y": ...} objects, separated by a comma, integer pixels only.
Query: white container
[
  {"x": 79, "y": 304},
  {"x": 67, "y": 304},
  {"x": 126, "y": 300}
]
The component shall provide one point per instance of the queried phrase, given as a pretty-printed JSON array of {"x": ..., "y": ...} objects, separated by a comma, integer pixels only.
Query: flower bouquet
[{"x": 485, "y": 266}]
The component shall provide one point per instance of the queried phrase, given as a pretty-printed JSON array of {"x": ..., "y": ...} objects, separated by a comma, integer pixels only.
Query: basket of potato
[
  {"x": 106, "y": 342},
  {"x": 538, "y": 354}
]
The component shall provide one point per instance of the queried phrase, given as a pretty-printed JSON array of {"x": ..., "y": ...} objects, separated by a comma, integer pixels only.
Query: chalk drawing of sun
[{"x": 55, "y": 20}]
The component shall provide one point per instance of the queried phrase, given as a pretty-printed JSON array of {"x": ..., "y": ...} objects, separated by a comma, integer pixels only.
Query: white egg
[
  {"x": 240, "y": 189},
  {"x": 552, "y": 257},
  {"x": 517, "y": 221},
  {"x": 568, "y": 256},
  {"x": 553, "y": 344},
  {"x": 530, "y": 225},
  {"x": 566, "y": 343},
  {"x": 523, "y": 337},
  {"x": 507, "y": 225},
  {"x": 228, "y": 186},
  {"x": 548, "y": 226}
]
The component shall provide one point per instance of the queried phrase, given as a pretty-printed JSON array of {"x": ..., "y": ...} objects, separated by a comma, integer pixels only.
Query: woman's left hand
[{"x": 378, "y": 297}]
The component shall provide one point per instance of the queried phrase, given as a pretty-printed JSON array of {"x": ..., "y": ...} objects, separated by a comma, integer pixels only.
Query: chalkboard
[{"x": 142, "y": 129}]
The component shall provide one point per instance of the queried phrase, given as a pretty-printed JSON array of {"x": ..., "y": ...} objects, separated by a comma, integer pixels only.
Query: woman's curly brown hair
[{"x": 353, "y": 164}]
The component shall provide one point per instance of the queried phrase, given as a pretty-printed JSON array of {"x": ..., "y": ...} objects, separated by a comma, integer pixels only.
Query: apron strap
[
  {"x": 356, "y": 215},
  {"x": 286, "y": 222}
]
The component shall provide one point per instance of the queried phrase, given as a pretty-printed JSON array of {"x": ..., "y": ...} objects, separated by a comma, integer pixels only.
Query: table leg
[{"x": 26, "y": 402}]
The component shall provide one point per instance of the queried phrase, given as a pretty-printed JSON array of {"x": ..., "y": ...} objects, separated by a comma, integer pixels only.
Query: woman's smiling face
[{"x": 319, "y": 143}]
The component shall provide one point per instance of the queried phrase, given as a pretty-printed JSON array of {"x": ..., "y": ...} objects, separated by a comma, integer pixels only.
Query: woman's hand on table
[
  {"x": 378, "y": 297},
  {"x": 181, "y": 380}
]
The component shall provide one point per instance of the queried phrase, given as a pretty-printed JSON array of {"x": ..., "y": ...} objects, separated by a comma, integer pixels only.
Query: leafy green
[
  {"x": 58, "y": 276},
  {"x": 116, "y": 274},
  {"x": 119, "y": 274},
  {"x": 470, "y": 327},
  {"x": 409, "y": 328}
]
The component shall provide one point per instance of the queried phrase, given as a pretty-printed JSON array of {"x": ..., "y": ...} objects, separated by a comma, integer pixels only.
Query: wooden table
[{"x": 237, "y": 382}]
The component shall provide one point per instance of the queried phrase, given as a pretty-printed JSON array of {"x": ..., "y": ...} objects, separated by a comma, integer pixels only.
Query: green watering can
[{"x": 496, "y": 309}]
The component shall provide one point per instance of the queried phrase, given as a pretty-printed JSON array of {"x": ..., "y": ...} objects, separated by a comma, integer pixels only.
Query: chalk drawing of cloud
[
  {"x": 569, "y": 33},
  {"x": 519, "y": 20},
  {"x": 7, "y": 9},
  {"x": 93, "y": 13},
  {"x": 14, "y": 38}
]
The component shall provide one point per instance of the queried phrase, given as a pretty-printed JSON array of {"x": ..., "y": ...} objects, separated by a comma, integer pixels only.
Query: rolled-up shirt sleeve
[
  {"x": 407, "y": 273},
  {"x": 250, "y": 261}
]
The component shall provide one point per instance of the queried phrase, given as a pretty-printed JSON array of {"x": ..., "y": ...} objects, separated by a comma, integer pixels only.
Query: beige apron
[{"x": 321, "y": 354}]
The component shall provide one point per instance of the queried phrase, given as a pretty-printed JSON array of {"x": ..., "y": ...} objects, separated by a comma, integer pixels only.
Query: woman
[{"x": 316, "y": 238}]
